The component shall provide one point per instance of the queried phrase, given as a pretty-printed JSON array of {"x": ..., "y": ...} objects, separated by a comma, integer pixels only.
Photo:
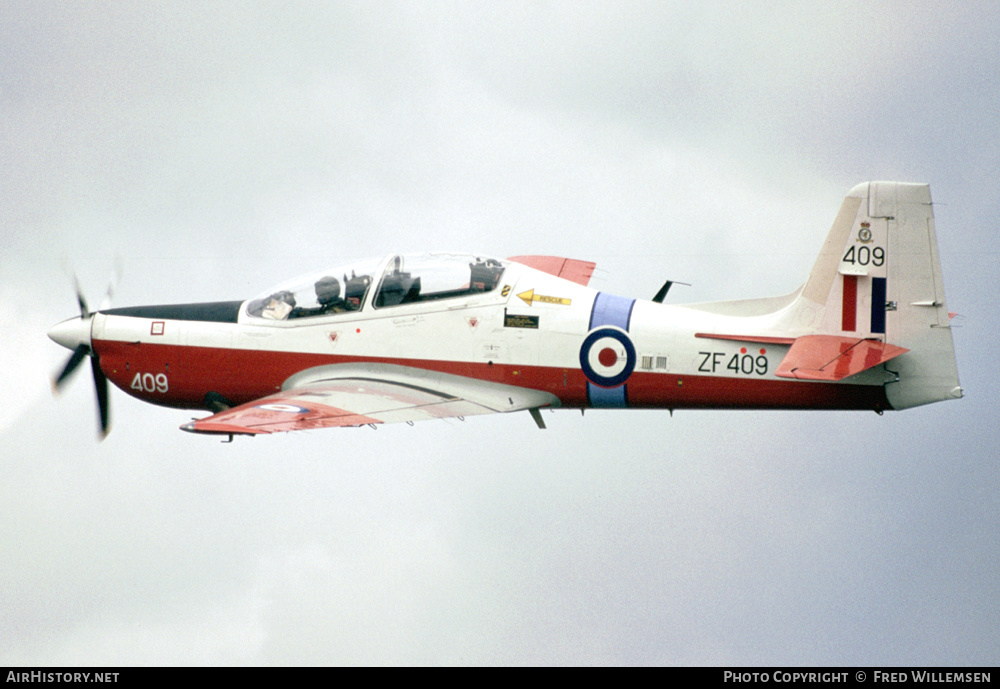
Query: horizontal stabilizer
[{"x": 830, "y": 357}]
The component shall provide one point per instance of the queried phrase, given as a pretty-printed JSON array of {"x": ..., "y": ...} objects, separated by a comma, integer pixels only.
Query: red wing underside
[
  {"x": 337, "y": 403},
  {"x": 357, "y": 395},
  {"x": 565, "y": 268},
  {"x": 831, "y": 358}
]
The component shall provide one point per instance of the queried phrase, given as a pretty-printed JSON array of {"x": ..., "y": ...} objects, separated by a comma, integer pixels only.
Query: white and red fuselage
[
  {"x": 868, "y": 330},
  {"x": 588, "y": 348}
]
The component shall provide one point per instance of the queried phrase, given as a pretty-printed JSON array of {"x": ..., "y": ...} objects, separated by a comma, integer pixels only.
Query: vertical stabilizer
[{"x": 878, "y": 277}]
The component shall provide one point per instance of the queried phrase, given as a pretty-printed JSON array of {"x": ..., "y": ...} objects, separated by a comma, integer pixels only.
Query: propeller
[{"x": 74, "y": 334}]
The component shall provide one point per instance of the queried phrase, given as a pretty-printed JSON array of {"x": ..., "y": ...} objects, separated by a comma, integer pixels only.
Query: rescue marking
[
  {"x": 530, "y": 298},
  {"x": 157, "y": 328}
]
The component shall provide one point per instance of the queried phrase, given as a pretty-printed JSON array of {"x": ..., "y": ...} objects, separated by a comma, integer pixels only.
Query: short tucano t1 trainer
[{"x": 437, "y": 335}]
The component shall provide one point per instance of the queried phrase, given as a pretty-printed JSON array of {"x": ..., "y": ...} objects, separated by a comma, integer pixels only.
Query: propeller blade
[
  {"x": 74, "y": 360},
  {"x": 73, "y": 332},
  {"x": 101, "y": 387},
  {"x": 84, "y": 311},
  {"x": 116, "y": 276}
]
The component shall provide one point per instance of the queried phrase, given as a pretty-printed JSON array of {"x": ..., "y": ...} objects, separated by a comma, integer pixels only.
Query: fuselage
[{"x": 530, "y": 329}]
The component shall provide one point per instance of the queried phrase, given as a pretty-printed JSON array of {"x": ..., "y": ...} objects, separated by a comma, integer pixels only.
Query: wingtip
[{"x": 210, "y": 428}]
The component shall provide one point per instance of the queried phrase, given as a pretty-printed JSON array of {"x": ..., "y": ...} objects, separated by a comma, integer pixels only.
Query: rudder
[{"x": 916, "y": 313}]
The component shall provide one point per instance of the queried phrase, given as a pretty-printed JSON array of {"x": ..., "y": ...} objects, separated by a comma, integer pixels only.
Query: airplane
[{"x": 429, "y": 336}]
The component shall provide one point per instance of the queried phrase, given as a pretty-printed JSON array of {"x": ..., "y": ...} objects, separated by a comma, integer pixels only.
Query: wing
[
  {"x": 566, "y": 268},
  {"x": 829, "y": 357},
  {"x": 361, "y": 394}
]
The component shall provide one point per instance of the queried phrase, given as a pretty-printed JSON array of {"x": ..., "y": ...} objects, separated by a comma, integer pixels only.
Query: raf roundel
[
  {"x": 607, "y": 357},
  {"x": 284, "y": 408}
]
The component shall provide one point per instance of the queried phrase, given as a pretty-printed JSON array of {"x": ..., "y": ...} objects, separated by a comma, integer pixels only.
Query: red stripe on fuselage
[
  {"x": 668, "y": 391},
  {"x": 243, "y": 375}
]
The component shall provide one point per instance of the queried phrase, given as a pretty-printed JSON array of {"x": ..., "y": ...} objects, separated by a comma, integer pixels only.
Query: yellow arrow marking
[{"x": 529, "y": 297}]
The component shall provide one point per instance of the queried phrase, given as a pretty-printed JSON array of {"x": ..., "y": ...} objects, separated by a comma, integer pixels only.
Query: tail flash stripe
[
  {"x": 849, "y": 309},
  {"x": 878, "y": 305}
]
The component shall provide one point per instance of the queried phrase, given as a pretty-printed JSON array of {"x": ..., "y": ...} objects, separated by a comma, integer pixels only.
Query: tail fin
[{"x": 878, "y": 277}]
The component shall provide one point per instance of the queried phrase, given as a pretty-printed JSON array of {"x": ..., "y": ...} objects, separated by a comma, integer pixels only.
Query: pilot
[{"x": 328, "y": 297}]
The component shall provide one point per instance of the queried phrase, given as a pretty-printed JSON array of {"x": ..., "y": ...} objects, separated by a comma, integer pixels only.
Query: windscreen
[{"x": 337, "y": 290}]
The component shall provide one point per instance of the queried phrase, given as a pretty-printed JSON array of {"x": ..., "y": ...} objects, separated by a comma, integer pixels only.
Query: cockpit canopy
[{"x": 399, "y": 279}]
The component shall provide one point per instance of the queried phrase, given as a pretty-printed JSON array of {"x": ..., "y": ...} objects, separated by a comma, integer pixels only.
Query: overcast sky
[{"x": 218, "y": 148}]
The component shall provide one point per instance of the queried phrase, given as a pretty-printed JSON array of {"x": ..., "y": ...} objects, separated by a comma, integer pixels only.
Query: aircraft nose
[{"x": 72, "y": 333}]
